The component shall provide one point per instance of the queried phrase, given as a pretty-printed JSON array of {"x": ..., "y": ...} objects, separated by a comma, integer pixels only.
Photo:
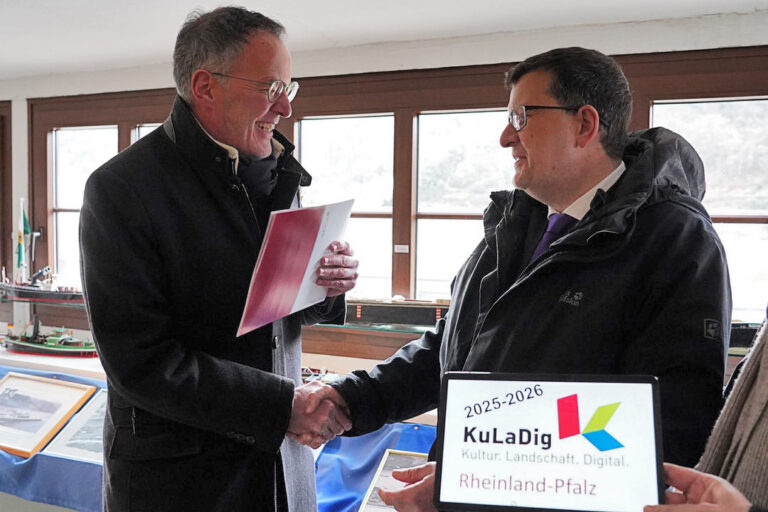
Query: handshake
[{"x": 319, "y": 414}]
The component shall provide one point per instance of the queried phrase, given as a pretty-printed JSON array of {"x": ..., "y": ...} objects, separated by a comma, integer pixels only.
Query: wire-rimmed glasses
[{"x": 273, "y": 89}]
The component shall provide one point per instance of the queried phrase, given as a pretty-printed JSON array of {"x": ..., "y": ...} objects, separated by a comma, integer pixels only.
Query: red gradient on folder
[
  {"x": 568, "y": 416},
  {"x": 279, "y": 271}
]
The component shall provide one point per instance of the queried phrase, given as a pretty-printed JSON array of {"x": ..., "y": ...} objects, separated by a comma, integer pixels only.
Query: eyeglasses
[
  {"x": 518, "y": 118},
  {"x": 273, "y": 89}
]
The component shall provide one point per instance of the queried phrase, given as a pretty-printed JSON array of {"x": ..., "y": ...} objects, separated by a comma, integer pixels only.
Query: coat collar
[
  {"x": 202, "y": 152},
  {"x": 660, "y": 165}
]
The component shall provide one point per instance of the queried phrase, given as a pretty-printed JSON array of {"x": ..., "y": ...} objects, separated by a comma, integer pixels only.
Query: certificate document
[{"x": 283, "y": 279}]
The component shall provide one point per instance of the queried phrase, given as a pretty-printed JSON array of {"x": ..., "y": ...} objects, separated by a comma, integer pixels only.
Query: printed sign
[{"x": 548, "y": 442}]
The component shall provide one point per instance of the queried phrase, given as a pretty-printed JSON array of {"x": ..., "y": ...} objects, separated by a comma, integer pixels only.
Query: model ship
[
  {"x": 34, "y": 290},
  {"x": 59, "y": 343},
  {"x": 40, "y": 287}
]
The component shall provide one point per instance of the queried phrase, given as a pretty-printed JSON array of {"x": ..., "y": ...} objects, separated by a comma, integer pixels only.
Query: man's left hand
[
  {"x": 338, "y": 270},
  {"x": 417, "y": 495},
  {"x": 699, "y": 492}
]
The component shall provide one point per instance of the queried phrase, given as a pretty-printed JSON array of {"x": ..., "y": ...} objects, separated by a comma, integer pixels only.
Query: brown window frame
[
  {"x": 404, "y": 94},
  {"x": 701, "y": 74},
  {"x": 717, "y": 73},
  {"x": 6, "y": 199},
  {"x": 126, "y": 110},
  {"x": 720, "y": 73}
]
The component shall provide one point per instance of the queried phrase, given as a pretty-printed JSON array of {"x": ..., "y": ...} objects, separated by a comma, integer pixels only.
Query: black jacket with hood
[{"x": 639, "y": 286}]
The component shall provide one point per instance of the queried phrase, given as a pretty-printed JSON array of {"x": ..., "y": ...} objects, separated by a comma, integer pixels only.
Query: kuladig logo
[{"x": 594, "y": 432}]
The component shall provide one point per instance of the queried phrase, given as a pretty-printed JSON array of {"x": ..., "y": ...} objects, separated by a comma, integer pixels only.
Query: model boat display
[
  {"x": 36, "y": 291},
  {"x": 59, "y": 343},
  {"x": 40, "y": 287},
  {"x": 25, "y": 293}
]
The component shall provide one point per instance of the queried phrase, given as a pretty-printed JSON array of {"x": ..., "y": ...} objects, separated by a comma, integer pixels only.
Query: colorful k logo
[{"x": 594, "y": 432}]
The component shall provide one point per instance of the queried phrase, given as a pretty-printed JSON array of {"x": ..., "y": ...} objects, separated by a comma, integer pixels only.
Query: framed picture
[
  {"x": 33, "y": 409},
  {"x": 82, "y": 437},
  {"x": 392, "y": 459}
]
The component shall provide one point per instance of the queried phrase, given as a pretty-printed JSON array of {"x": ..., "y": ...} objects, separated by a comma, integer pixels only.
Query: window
[
  {"x": 447, "y": 124},
  {"x": 351, "y": 158},
  {"x": 731, "y": 137},
  {"x": 144, "y": 129},
  {"x": 76, "y": 153},
  {"x": 422, "y": 220},
  {"x": 6, "y": 247},
  {"x": 460, "y": 162}
]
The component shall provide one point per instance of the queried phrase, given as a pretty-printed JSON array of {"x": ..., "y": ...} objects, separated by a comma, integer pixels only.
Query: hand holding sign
[
  {"x": 417, "y": 495},
  {"x": 699, "y": 492}
]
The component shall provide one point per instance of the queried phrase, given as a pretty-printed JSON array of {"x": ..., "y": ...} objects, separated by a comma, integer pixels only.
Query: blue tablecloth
[
  {"x": 346, "y": 466},
  {"x": 344, "y": 469},
  {"x": 48, "y": 479}
]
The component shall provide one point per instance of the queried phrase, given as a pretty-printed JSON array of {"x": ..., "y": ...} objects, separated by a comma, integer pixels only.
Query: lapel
[{"x": 212, "y": 165}]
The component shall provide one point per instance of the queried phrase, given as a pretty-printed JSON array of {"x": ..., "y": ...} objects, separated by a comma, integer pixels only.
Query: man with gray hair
[{"x": 170, "y": 231}]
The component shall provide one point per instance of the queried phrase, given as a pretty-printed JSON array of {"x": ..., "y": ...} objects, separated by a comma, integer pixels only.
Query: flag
[
  {"x": 21, "y": 265},
  {"x": 27, "y": 229}
]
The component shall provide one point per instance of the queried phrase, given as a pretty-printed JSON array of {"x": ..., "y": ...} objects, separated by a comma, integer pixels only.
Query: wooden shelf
[{"x": 353, "y": 341}]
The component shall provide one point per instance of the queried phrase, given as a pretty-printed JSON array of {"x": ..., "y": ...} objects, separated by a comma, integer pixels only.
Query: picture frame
[
  {"x": 33, "y": 409},
  {"x": 392, "y": 459},
  {"x": 81, "y": 438}
]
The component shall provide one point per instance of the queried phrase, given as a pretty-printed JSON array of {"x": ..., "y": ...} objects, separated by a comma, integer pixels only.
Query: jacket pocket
[{"x": 153, "y": 442}]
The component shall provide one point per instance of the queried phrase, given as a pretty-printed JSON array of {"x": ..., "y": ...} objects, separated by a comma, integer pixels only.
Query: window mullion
[
  {"x": 124, "y": 134},
  {"x": 404, "y": 204}
]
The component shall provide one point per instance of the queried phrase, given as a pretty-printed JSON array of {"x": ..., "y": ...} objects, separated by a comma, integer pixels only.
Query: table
[
  {"x": 344, "y": 468},
  {"x": 48, "y": 479}
]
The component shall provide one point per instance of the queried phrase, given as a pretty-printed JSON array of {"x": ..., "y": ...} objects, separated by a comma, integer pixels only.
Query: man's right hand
[
  {"x": 417, "y": 495},
  {"x": 319, "y": 414}
]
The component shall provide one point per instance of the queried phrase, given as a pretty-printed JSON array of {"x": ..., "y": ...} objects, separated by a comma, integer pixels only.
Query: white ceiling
[{"x": 41, "y": 37}]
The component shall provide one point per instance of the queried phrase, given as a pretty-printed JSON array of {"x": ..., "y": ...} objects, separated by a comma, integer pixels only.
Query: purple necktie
[{"x": 557, "y": 226}]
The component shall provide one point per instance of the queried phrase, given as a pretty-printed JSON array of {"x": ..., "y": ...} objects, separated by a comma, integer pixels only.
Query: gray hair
[{"x": 213, "y": 40}]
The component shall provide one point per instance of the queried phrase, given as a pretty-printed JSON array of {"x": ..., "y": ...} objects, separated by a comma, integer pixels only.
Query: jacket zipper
[
  {"x": 245, "y": 192},
  {"x": 256, "y": 219}
]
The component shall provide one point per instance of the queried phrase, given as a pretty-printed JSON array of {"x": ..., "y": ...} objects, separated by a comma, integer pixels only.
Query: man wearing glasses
[
  {"x": 170, "y": 232},
  {"x": 601, "y": 261}
]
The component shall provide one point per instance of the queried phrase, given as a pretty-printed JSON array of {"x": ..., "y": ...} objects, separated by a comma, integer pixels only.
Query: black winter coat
[
  {"x": 196, "y": 416},
  {"x": 639, "y": 286}
]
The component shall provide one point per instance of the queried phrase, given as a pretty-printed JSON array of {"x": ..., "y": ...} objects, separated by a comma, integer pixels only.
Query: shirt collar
[
  {"x": 233, "y": 153},
  {"x": 277, "y": 148},
  {"x": 579, "y": 208}
]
